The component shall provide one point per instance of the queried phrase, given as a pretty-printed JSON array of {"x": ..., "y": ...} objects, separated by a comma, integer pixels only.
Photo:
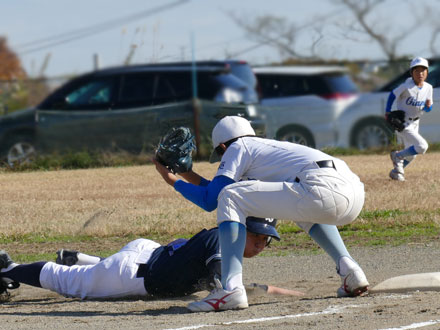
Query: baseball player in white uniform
[
  {"x": 414, "y": 97},
  {"x": 275, "y": 179}
]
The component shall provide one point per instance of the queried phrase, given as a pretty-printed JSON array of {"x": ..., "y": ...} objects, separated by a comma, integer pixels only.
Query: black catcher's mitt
[
  {"x": 396, "y": 119},
  {"x": 175, "y": 150}
]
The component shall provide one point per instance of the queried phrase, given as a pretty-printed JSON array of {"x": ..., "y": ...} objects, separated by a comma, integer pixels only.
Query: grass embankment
[{"x": 99, "y": 210}]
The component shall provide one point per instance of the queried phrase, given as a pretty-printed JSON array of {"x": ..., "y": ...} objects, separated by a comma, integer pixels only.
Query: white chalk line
[
  {"x": 415, "y": 325},
  {"x": 329, "y": 310}
]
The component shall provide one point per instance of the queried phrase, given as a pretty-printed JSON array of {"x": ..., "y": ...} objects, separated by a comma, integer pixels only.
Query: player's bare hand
[
  {"x": 166, "y": 174},
  {"x": 428, "y": 103}
]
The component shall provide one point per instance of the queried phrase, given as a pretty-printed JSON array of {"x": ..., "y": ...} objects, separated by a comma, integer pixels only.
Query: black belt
[
  {"x": 326, "y": 163},
  {"x": 322, "y": 164},
  {"x": 414, "y": 119}
]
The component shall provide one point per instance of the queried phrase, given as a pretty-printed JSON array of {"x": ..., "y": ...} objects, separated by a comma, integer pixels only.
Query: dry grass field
[
  {"x": 134, "y": 201},
  {"x": 41, "y": 212}
]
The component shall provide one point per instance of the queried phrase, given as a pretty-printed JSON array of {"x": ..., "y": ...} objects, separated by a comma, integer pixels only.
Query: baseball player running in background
[
  {"x": 275, "y": 179},
  {"x": 414, "y": 97},
  {"x": 142, "y": 267}
]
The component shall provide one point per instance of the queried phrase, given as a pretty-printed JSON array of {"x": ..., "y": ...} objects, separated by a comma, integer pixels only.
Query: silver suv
[{"x": 302, "y": 103}]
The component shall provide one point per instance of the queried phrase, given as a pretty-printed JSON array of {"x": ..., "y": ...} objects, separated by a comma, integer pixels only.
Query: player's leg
[
  {"x": 72, "y": 257},
  {"x": 354, "y": 281},
  {"x": 27, "y": 273},
  {"x": 414, "y": 144},
  {"x": 114, "y": 277}
]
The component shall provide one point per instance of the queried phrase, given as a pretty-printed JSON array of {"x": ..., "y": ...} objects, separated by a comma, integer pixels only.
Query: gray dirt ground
[{"x": 31, "y": 308}]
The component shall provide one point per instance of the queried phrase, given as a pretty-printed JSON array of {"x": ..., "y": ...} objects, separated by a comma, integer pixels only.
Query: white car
[
  {"x": 362, "y": 125},
  {"x": 301, "y": 104}
]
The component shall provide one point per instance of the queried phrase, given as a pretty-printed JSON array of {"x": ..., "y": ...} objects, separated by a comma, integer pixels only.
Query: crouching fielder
[{"x": 274, "y": 179}]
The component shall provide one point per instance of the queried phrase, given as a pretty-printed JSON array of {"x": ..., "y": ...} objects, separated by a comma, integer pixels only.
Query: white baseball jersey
[
  {"x": 252, "y": 158},
  {"x": 411, "y": 98},
  {"x": 283, "y": 180}
]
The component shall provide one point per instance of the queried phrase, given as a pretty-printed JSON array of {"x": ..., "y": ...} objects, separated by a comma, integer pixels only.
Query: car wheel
[
  {"x": 372, "y": 133},
  {"x": 21, "y": 149},
  {"x": 296, "y": 135}
]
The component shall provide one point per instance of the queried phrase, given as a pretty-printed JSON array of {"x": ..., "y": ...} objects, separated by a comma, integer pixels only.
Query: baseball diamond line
[
  {"x": 329, "y": 310},
  {"x": 415, "y": 325}
]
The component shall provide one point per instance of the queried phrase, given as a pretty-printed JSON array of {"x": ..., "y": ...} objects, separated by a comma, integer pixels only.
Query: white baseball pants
[
  {"x": 114, "y": 277},
  {"x": 321, "y": 195},
  {"x": 410, "y": 137}
]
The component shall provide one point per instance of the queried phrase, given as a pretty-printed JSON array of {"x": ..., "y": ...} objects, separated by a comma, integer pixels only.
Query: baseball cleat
[
  {"x": 354, "y": 284},
  {"x": 396, "y": 175},
  {"x": 397, "y": 162},
  {"x": 220, "y": 299},
  {"x": 67, "y": 257},
  {"x": 6, "y": 264}
]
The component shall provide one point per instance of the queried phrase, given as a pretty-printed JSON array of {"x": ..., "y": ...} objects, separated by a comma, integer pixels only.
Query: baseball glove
[
  {"x": 175, "y": 150},
  {"x": 396, "y": 119}
]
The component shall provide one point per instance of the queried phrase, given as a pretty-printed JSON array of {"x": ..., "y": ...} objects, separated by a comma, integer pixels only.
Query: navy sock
[{"x": 28, "y": 274}]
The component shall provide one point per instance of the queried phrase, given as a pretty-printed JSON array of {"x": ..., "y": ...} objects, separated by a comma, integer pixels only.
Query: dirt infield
[{"x": 31, "y": 308}]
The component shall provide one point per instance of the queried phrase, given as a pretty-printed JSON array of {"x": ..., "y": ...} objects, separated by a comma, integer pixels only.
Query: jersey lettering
[{"x": 412, "y": 101}]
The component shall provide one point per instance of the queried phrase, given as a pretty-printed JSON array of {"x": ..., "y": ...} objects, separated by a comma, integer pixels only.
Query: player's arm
[
  {"x": 428, "y": 103},
  {"x": 170, "y": 178},
  {"x": 255, "y": 289},
  {"x": 390, "y": 102},
  {"x": 204, "y": 196}
]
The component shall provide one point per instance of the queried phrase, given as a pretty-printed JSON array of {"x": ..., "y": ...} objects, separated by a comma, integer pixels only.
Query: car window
[
  {"x": 244, "y": 72},
  {"x": 281, "y": 85},
  {"x": 339, "y": 83},
  {"x": 178, "y": 85},
  {"x": 91, "y": 95},
  {"x": 433, "y": 79},
  {"x": 136, "y": 90},
  {"x": 434, "y": 75}
]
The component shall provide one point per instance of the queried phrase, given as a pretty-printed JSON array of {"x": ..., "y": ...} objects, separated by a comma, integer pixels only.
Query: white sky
[{"x": 166, "y": 36}]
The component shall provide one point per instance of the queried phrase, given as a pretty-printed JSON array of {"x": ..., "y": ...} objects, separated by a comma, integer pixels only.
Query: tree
[
  {"x": 281, "y": 34},
  {"x": 367, "y": 23},
  {"x": 16, "y": 90},
  {"x": 10, "y": 65}
]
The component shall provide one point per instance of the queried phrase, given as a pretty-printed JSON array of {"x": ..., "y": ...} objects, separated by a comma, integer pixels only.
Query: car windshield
[
  {"x": 231, "y": 81},
  {"x": 340, "y": 83},
  {"x": 243, "y": 71},
  {"x": 433, "y": 79}
]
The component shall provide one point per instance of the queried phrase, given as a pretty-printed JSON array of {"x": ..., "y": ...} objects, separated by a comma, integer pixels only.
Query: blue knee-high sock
[
  {"x": 329, "y": 239},
  {"x": 410, "y": 151},
  {"x": 28, "y": 274},
  {"x": 232, "y": 237}
]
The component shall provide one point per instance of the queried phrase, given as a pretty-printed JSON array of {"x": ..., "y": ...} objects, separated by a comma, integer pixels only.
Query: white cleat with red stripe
[{"x": 220, "y": 299}]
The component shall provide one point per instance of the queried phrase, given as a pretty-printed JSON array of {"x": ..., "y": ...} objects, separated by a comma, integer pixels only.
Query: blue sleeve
[
  {"x": 203, "y": 196},
  {"x": 427, "y": 109},
  {"x": 390, "y": 101}
]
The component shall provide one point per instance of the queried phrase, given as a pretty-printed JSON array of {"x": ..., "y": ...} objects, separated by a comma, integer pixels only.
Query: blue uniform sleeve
[
  {"x": 390, "y": 101},
  {"x": 427, "y": 109},
  {"x": 203, "y": 196}
]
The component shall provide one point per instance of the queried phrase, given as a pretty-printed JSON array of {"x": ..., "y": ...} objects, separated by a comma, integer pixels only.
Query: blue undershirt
[{"x": 206, "y": 193}]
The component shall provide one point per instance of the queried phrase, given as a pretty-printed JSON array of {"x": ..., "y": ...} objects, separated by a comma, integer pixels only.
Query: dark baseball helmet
[{"x": 262, "y": 226}]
